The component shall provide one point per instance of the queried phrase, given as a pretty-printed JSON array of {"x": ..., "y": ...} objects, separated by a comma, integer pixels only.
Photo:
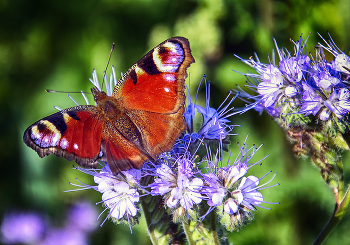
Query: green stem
[
  {"x": 337, "y": 216},
  {"x": 340, "y": 190},
  {"x": 150, "y": 226},
  {"x": 186, "y": 227},
  {"x": 214, "y": 232}
]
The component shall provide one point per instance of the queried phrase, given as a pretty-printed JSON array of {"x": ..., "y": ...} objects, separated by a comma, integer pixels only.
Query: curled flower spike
[
  {"x": 303, "y": 90},
  {"x": 120, "y": 193}
]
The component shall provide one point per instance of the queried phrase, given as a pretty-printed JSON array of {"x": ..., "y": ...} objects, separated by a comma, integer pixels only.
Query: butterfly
[{"x": 143, "y": 117}]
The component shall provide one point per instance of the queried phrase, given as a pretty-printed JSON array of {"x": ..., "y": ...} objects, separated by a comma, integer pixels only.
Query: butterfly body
[{"x": 141, "y": 119}]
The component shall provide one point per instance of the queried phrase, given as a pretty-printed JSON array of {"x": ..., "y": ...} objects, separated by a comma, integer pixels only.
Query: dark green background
[{"x": 56, "y": 44}]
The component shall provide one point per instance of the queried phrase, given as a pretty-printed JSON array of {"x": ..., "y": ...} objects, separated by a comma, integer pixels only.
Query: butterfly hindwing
[
  {"x": 73, "y": 133},
  {"x": 122, "y": 147}
]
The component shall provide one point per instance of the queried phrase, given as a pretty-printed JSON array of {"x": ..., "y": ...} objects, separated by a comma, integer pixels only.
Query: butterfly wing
[
  {"x": 74, "y": 133},
  {"x": 152, "y": 95},
  {"x": 121, "y": 145},
  {"x": 156, "y": 83},
  {"x": 158, "y": 131}
]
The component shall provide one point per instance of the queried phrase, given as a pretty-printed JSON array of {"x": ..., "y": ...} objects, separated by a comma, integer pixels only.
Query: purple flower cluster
[
  {"x": 187, "y": 179},
  {"x": 185, "y": 185},
  {"x": 31, "y": 228},
  {"x": 302, "y": 88}
]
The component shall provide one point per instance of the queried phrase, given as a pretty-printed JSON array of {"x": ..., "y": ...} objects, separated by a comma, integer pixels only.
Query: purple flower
[
  {"x": 323, "y": 79},
  {"x": 291, "y": 68},
  {"x": 271, "y": 86},
  {"x": 245, "y": 195},
  {"x": 119, "y": 192},
  {"x": 214, "y": 124},
  {"x": 278, "y": 84},
  {"x": 341, "y": 60},
  {"x": 186, "y": 192},
  {"x": 219, "y": 183},
  {"x": 312, "y": 101},
  {"x": 339, "y": 103},
  {"x": 226, "y": 188},
  {"x": 25, "y": 228},
  {"x": 83, "y": 216},
  {"x": 215, "y": 191},
  {"x": 121, "y": 200},
  {"x": 177, "y": 183},
  {"x": 165, "y": 182},
  {"x": 65, "y": 237}
]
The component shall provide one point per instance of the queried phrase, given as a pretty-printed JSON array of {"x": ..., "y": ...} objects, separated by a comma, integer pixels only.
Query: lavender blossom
[
  {"x": 215, "y": 124},
  {"x": 64, "y": 237},
  {"x": 120, "y": 193},
  {"x": 26, "y": 228},
  {"x": 176, "y": 181},
  {"x": 82, "y": 216},
  {"x": 234, "y": 195}
]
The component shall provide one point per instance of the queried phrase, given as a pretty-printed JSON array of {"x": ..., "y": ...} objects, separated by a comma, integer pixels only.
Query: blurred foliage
[{"x": 56, "y": 45}]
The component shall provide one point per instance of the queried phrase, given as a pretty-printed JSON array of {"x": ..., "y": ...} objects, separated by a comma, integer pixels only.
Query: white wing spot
[
  {"x": 64, "y": 143},
  {"x": 170, "y": 77},
  {"x": 76, "y": 146}
]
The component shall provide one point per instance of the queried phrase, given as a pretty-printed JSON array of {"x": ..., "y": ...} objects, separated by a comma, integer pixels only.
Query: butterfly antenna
[
  {"x": 65, "y": 92},
  {"x": 109, "y": 59}
]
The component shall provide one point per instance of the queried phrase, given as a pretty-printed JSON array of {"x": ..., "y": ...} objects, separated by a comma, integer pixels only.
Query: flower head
[
  {"x": 177, "y": 182},
  {"x": 120, "y": 193},
  {"x": 305, "y": 89},
  {"x": 215, "y": 124},
  {"x": 228, "y": 190}
]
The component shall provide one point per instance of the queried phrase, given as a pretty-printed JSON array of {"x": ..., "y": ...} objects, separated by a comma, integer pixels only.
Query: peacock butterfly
[{"x": 142, "y": 118}]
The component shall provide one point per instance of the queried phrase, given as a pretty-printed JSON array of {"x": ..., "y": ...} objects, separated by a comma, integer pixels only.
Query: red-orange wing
[
  {"x": 156, "y": 83},
  {"x": 152, "y": 95},
  {"x": 74, "y": 133}
]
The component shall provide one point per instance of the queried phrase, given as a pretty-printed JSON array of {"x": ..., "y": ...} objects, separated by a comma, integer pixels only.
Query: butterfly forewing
[{"x": 156, "y": 82}]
